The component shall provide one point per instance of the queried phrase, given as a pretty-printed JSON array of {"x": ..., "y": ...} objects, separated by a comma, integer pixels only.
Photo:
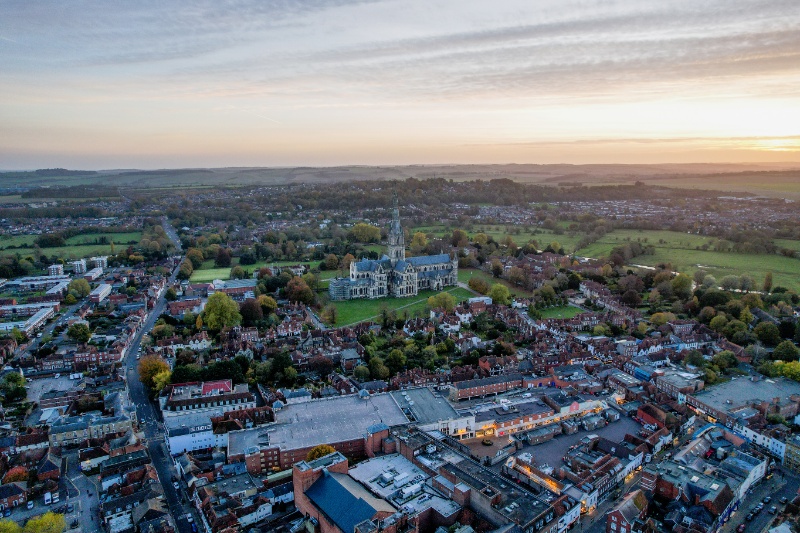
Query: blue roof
[
  {"x": 339, "y": 505},
  {"x": 429, "y": 259}
]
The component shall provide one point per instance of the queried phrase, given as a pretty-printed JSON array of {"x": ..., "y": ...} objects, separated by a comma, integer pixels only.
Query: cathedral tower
[{"x": 397, "y": 241}]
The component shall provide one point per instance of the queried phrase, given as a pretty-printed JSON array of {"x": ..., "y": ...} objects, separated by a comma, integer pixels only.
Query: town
[{"x": 167, "y": 373}]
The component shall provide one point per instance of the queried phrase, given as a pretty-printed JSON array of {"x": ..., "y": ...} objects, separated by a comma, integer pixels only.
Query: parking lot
[{"x": 552, "y": 451}]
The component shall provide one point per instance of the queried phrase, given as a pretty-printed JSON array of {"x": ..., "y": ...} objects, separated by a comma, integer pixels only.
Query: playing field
[{"x": 354, "y": 311}]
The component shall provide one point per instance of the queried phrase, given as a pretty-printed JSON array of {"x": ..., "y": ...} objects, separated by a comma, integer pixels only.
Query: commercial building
[
  {"x": 355, "y": 424},
  {"x": 207, "y": 397},
  {"x": 738, "y": 401}
]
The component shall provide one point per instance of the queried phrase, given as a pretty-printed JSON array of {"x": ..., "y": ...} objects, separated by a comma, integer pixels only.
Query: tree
[
  {"x": 186, "y": 270},
  {"x": 497, "y": 268},
  {"x": 767, "y": 282},
  {"x": 79, "y": 288},
  {"x": 149, "y": 367},
  {"x": 396, "y": 360},
  {"x": 786, "y": 351},
  {"x": 223, "y": 258},
  {"x": 730, "y": 283},
  {"x": 365, "y": 233},
  {"x": 500, "y": 294},
  {"x": 694, "y": 358},
  {"x": 768, "y": 333},
  {"x": 725, "y": 359},
  {"x": 221, "y": 312},
  {"x": 631, "y": 298},
  {"x": 478, "y": 285},
  {"x": 79, "y": 332},
  {"x": 419, "y": 242},
  {"x": 459, "y": 238},
  {"x": 321, "y": 365},
  {"x": 709, "y": 281},
  {"x": 251, "y": 312},
  {"x": 331, "y": 262},
  {"x": 378, "y": 369},
  {"x": 297, "y": 290},
  {"x": 361, "y": 373},
  {"x": 659, "y": 319},
  {"x": 70, "y": 299},
  {"x": 346, "y": 260},
  {"x": 443, "y": 300},
  {"x": 171, "y": 295},
  {"x": 268, "y": 304},
  {"x": 238, "y": 272},
  {"x": 9, "y": 526},
  {"x": 46, "y": 523},
  {"x": 161, "y": 380},
  {"x": 320, "y": 450},
  {"x": 682, "y": 286},
  {"x": 195, "y": 256},
  {"x": 719, "y": 322}
]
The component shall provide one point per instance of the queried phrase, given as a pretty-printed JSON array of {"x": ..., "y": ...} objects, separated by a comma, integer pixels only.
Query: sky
[{"x": 154, "y": 84}]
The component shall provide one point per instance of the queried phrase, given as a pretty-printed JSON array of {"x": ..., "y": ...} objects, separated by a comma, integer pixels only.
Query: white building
[
  {"x": 79, "y": 266},
  {"x": 55, "y": 270},
  {"x": 100, "y": 293},
  {"x": 100, "y": 262}
]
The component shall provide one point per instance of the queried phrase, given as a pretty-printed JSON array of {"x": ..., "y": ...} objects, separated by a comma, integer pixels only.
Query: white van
[{"x": 48, "y": 498}]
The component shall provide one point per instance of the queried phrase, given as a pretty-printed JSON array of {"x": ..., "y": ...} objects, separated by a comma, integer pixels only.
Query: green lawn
[
  {"x": 565, "y": 311},
  {"x": 116, "y": 238},
  {"x": 207, "y": 275},
  {"x": 16, "y": 240},
  {"x": 788, "y": 244},
  {"x": 679, "y": 249},
  {"x": 354, "y": 311},
  {"x": 77, "y": 247}
]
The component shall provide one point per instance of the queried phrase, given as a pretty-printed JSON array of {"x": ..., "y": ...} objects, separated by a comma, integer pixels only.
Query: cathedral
[{"x": 393, "y": 274}]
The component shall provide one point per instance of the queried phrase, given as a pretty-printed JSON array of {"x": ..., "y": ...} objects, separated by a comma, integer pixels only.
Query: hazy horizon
[{"x": 388, "y": 83}]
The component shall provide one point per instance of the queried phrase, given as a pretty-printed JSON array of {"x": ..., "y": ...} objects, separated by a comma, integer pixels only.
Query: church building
[{"x": 394, "y": 274}]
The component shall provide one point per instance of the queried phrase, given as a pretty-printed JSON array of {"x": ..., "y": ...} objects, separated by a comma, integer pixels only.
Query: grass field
[
  {"x": 679, "y": 249},
  {"x": 564, "y": 311},
  {"x": 788, "y": 244},
  {"x": 354, "y": 311},
  {"x": 16, "y": 240},
  {"x": 116, "y": 238},
  {"x": 77, "y": 247}
]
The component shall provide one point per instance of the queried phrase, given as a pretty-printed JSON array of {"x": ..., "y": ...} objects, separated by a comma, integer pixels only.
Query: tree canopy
[{"x": 221, "y": 312}]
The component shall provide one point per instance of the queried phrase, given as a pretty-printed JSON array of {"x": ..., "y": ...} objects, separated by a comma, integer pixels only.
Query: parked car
[
  {"x": 741, "y": 528},
  {"x": 30, "y": 504},
  {"x": 773, "y": 510},
  {"x": 784, "y": 500},
  {"x": 175, "y": 484},
  {"x": 70, "y": 508},
  {"x": 749, "y": 517},
  {"x": 7, "y": 512},
  {"x": 767, "y": 499}
]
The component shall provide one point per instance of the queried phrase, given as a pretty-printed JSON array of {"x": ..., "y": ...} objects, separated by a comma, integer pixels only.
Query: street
[{"x": 150, "y": 418}]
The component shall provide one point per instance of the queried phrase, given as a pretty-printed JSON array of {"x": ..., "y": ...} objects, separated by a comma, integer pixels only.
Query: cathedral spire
[{"x": 397, "y": 241}]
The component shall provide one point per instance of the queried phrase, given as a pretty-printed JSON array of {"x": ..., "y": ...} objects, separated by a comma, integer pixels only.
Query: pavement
[{"x": 783, "y": 483}]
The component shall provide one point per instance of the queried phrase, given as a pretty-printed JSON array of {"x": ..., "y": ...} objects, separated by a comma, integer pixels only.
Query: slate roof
[
  {"x": 338, "y": 504},
  {"x": 429, "y": 259}
]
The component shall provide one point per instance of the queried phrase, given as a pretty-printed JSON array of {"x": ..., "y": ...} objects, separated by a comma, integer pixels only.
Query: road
[{"x": 149, "y": 417}]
